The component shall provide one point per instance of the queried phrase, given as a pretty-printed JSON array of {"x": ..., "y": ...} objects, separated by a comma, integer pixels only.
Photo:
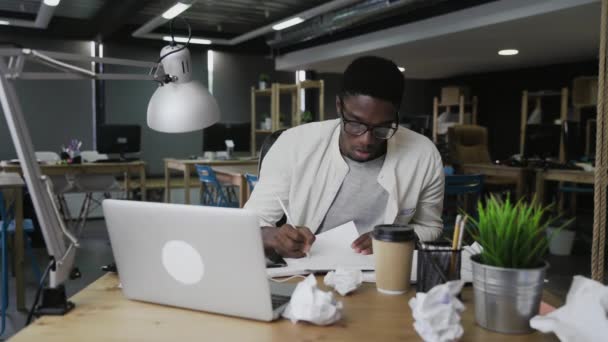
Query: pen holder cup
[{"x": 437, "y": 264}]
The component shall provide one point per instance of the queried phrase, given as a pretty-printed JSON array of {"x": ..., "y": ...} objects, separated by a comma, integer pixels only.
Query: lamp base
[{"x": 54, "y": 302}]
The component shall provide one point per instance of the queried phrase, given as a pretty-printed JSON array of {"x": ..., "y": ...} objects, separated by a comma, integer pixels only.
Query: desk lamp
[{"x": 180, "y": 104}]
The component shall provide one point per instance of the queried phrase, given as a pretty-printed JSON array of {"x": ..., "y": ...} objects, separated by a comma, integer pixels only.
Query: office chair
[
  {"x": 212, "y": 192},
  {"x": 267, "y": 144},
  {"x": 468, "y": 144},
  {"x": 457, "y": 196},
  {"x": 252, "y": 180},
  {"x": 8, "y": 226}
]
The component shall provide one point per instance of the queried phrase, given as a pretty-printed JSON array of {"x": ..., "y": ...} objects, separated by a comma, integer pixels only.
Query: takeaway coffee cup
[{"x": 393, "y": 252}]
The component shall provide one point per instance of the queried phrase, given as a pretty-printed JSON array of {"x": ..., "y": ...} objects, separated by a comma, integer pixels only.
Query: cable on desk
[{"x": 30, "y": 315}]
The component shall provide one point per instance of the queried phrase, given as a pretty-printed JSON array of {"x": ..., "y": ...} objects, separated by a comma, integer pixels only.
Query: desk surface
[
  {"x": 103, "y": 314},
  {"x": 10, "y": 179},
  {"x": 81, "y": 168},
  {"x": 237, "y": 170},
  {"x": 212, "y": 162},
  {"x": 487, "y": 167},
  {"x": 575, "y": 176}
]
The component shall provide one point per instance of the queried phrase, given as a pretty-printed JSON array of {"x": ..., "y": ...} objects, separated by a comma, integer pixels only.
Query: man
[{"x": 362, "y": 167}]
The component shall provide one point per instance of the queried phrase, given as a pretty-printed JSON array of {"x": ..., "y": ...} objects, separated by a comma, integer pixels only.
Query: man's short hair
[{"x": 374, "y": 76}]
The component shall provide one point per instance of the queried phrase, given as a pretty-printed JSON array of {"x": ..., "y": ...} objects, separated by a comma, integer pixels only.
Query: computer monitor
[
  {"x": 542, "y": 141},
  {"x": 119, "y": 139},
  {"x": 214, "y": 137}
]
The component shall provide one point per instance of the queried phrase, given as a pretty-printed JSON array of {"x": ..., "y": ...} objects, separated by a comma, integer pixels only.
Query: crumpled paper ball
[
  {"x": 437, "y": 313},
  {"x": 584, "y": 316},
  {"x": 310, "y": 304},
  {"x": 344, "y": 280}
]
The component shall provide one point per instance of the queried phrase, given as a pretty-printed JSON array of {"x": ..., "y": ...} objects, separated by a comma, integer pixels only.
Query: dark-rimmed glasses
[{"x": 358, "y": 128}]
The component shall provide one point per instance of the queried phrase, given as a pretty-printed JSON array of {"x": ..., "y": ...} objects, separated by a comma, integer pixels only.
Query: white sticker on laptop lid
[{"x": 183, "y": 262}]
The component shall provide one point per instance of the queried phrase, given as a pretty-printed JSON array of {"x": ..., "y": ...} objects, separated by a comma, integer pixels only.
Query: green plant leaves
[{"x": 513, "y": 235}]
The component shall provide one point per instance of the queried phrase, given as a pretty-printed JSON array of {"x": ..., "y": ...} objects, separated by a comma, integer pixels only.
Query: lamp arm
[{"x": 46, "y": 211}]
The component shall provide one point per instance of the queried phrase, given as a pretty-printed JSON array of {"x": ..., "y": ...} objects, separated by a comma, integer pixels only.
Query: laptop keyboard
[{"x": 279, "y": 300}]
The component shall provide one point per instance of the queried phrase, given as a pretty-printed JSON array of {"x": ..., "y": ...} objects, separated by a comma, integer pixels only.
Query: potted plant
[
  {"x": 306, "y": 116},
  {"x": 509, "y": 273},
  {"x": 264, "y": 81}
]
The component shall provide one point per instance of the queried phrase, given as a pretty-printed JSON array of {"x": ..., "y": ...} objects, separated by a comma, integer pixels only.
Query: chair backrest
[
  {"x": 212, "y": 193},
  {"x": 463, "y": 184},
  {"x": 468, "y": 144},
  {"x": 47, "y": 156},
  {"x": 252, "y": 180},
  {"x": 267, "y": 144}
]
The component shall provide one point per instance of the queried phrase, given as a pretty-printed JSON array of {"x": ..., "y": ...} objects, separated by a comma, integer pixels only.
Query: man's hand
[
  {"x": 363, "y": 244},
  {"x": 287, "y": 241}
]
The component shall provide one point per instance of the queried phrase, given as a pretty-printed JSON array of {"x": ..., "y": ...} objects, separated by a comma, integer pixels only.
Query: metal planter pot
[{"x": 506, "y": 298}]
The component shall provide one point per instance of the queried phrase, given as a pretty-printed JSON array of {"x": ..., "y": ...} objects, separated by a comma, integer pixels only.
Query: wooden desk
[
  {"x": 103, "y": 314},
  {"x": 557, "y": 175},
  {"x": 235, "y": 175},
  {"x": 127, "y": 169},
  {"x": 516, "y": 174},
  {"x": 186, "y": 166},
  {"x": 14, "y": 182}
]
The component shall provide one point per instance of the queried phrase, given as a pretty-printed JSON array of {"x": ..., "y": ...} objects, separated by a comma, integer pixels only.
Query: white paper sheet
[{"x": 330, "y": 250}]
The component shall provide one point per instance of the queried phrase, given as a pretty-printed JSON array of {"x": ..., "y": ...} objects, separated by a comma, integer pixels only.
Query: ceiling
[
  {"x": 430, "y": 38},
  {"x": 467, "y": 41},
  {"x": 76, "y": 9},
  {"x": 229, "y": 16}
]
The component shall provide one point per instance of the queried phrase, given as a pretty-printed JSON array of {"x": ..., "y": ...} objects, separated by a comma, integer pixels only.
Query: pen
[{"x": 289, "y": 220}]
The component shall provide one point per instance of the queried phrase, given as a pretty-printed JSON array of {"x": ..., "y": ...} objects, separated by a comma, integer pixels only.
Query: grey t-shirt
[{"x": 360, "y": 198}]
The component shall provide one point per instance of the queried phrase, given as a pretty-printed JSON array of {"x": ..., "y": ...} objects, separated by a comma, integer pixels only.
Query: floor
[{"x": 96, "y": 252}]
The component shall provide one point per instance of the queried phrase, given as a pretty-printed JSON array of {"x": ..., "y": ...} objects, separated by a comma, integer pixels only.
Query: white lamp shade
[{"x": 182, "y": 107}]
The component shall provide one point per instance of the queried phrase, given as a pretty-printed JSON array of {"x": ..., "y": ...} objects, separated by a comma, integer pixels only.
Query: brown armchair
[{"x": 468, "y": 144}]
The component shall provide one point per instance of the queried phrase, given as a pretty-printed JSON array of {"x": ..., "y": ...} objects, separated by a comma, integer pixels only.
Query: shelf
[
  {"x": 545, "y": 93},
  {"x": 585, "y": 105},
  {"x": 263, "y": 91},
  {"x": 310, "y": 84},
  {"x": 454, "y": 104}
]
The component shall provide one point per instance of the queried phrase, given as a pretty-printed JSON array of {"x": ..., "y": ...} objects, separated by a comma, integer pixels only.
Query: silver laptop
[{"x": 202, "y": 258}]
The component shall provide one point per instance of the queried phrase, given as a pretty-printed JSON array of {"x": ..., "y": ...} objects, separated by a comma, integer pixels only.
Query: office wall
[
  {"x": 127, "y": 103},
  {"x": 233, "y": 77},
  {"x": 55, "y": 111},
  {"x": 333, "y": 82}
]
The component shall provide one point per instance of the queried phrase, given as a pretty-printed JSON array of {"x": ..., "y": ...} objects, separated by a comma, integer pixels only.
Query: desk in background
[
  {"x": 14, "y": 182},
  {"x": 560, "y": 175},
  {"x": 235, "y": 175},
  {"x": 127, "y": 169},
  {"x": 186, "y": 166},
  {"x": 103, "y": 314},
  {"x": 516, "y": 174}
]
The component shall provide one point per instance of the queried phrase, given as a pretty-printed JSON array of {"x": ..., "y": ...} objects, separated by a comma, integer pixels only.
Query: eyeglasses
[{"x": 359, "y": 128}]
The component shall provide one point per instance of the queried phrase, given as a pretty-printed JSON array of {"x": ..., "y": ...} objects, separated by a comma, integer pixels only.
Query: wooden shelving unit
[
  {"x": 274, "y": 94},
  {"x": 461, "y": 105},
  {"x": 537, "y": 97}
]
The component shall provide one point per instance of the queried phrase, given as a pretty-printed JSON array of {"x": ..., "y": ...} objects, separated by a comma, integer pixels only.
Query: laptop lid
[{"x": 196, "y": 257}]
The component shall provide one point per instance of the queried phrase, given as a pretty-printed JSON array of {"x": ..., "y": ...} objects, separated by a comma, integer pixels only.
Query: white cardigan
[{"x": 305, "y": 169}]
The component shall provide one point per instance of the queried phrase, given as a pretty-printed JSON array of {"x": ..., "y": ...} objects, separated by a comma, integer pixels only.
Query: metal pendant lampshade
[{"x": 182, "y": 105}]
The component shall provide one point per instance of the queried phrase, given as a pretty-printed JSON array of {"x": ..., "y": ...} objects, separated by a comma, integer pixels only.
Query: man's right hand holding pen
[{"x": 287, "y": 241}]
